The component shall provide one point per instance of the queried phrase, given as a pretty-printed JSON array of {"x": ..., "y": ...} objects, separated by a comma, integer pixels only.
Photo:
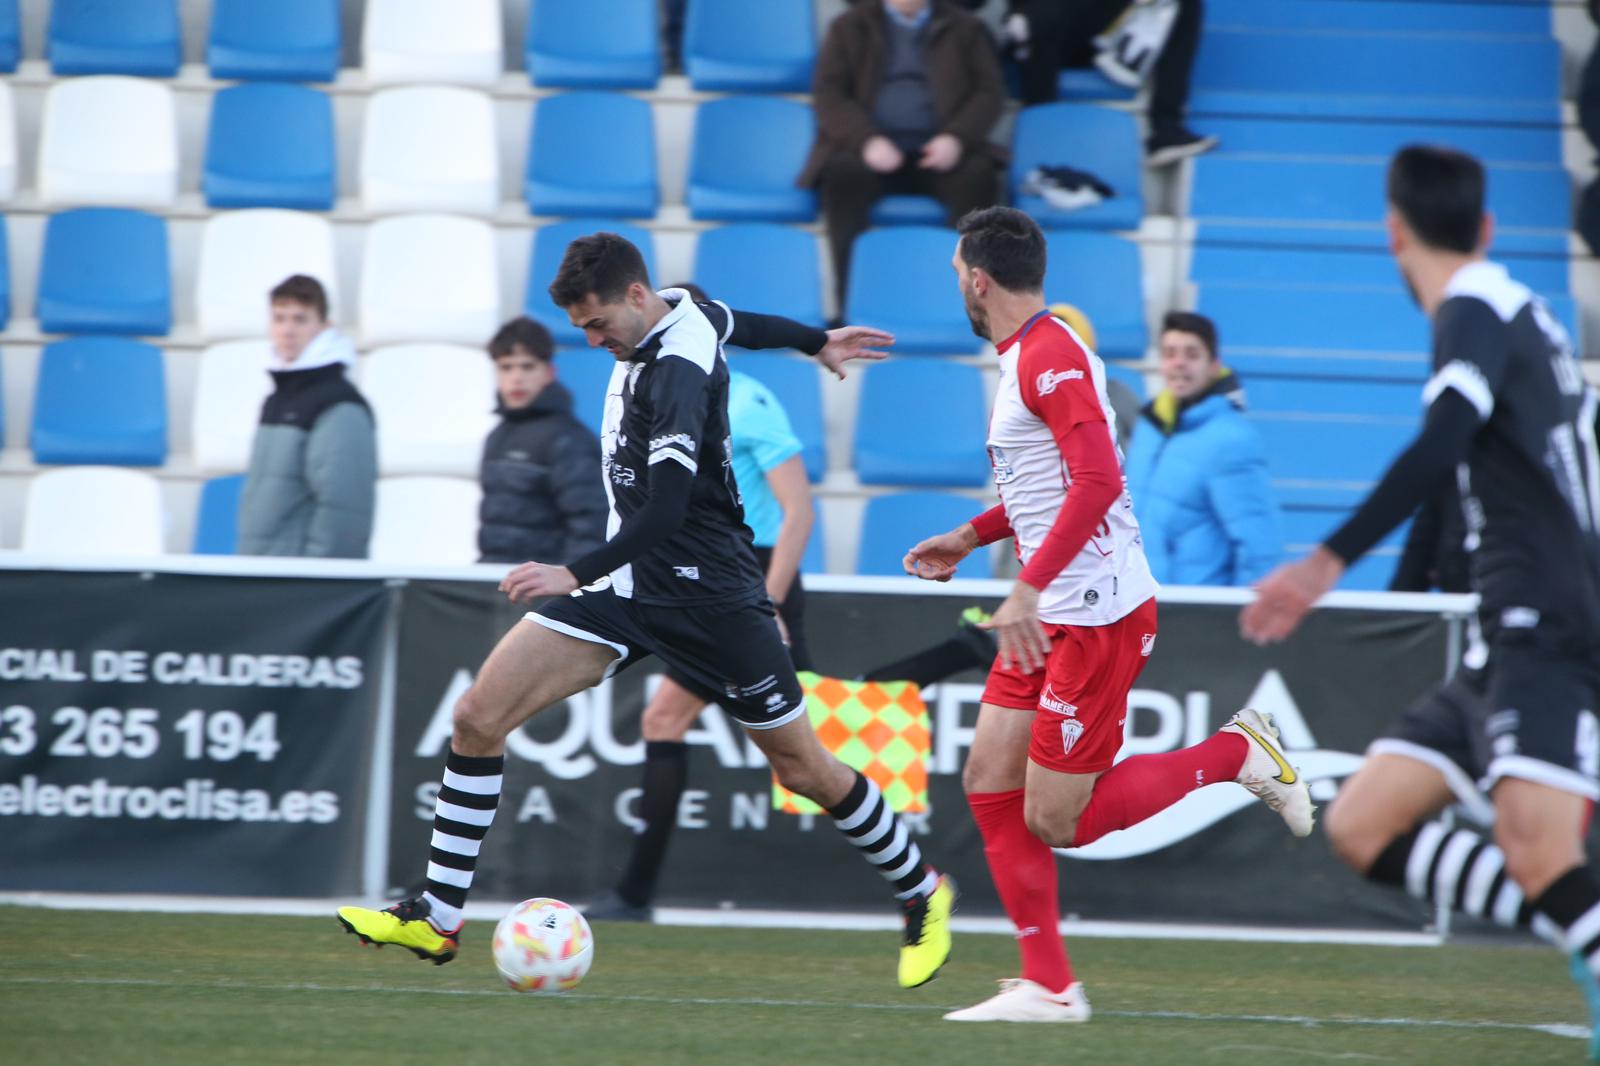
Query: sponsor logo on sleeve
[
  {"x": 692, "y": 573},
  {"x": 673, "y": 440},
  {"x": 1047, "y": 382}
]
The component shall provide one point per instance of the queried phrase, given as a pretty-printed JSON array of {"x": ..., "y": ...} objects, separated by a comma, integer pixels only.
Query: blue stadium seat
[
  {"x": 586, "y": 372},
  {"x": 909, "y": 211},
  {"x": 1510, "y": 242},
  {"x": 1096, "y": 139},
  {"x": 1390, "y": 16},
  {"x": 596, "y": 44},
  {"x": 1101, "y": 275},
  {"x": 894, "y": 523},
  {"x": 549, "y": 245},
  {"x": 216, "y": 527},
  {"x": 746, "y": 154},
  {"x": 1545, "y": 274},
  {"x": 922, "y": 423},
  {"x": 762, "y": 267},
  {"x": 286, "y": 40},
  {"x": 1249, "y": 187},
  {"x": 1331, "y": 395},
  {"x": 270, "y": 146},
  {"x": 1306, "y": 527},
  {"x": 793, "y": 379},
  {"x": 569, "y": 174},
  {"x": 1502, "y": 144},
  {"x": 1087, "y": 85},
  {"x": 1351, "y": 450},
  {"x": 100, "y": 400},
  {"x": 125, "y": 37},
  {"x": 104, "y": 270},
  {"x": 740, "y": 46},
  {"x": 10, "y": 36},
  {"x": 900, "y": 280}
]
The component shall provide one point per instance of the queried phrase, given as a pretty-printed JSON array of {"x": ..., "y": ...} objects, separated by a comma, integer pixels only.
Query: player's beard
[
  {"x": 978, "y": 317},
  {"x": 1411, "y": 286}
]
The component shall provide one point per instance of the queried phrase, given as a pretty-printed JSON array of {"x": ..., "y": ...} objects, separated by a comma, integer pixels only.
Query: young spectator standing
[
  {"x": 543, "y": 494},
  {"x": 1198, "y": 471},
  {"x": 314, "y": 462},
  {"x": 907, "y": 93}
]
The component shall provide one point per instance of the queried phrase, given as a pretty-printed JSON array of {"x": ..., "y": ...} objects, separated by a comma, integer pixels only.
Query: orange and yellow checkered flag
[{"x": 877, "y": 727}]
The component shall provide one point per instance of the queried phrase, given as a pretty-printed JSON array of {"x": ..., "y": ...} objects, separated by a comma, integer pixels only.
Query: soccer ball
[{"x": 543, "y": 945}]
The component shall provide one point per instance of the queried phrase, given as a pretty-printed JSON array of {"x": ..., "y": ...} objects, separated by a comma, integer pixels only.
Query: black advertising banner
[
  {"x": 570, "y": 802},
  {"x": 186, "y": 734}
]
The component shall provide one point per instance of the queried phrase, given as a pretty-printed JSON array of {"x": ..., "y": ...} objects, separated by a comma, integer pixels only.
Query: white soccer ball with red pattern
[{"x": 543, "y": 945}]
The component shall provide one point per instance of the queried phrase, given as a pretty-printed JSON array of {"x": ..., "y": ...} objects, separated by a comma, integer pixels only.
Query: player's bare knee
[
  {"x": 1535, "y": 856},
  {"x": 474, "y": 728},
  {"x": 1353, "y": 839},
  {"x": 1056, "y": 828},
  {"x": 663, "y": 723}
]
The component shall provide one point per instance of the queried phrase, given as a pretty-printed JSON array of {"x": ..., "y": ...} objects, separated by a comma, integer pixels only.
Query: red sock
[
  {"x": 1136, "y": 788},
  {"x": 1024, "y": 872}
]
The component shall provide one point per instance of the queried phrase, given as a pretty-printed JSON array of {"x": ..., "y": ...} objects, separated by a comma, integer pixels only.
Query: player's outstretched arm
[{"x": 833, "y": 348}]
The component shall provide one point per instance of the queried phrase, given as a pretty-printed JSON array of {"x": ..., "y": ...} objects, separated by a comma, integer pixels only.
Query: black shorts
[
  {"x": 732, "y": 650},
  {"x": 793, "y": 612},
  {"x": 1444, "y": 728}
]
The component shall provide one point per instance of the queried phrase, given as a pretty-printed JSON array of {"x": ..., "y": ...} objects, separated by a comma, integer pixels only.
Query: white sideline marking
[
  {"x": 738, "y": 919},
  {"x": 1570, "y": 1031}
]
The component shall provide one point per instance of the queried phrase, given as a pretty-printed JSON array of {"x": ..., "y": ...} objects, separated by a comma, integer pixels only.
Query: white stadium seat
[
  {"x": 434, "y": 404},
  {"x": 426, "y": 521},
  {"x": 243, "y": 254},
  {"x": 93, "y": 510},
  {"x": 230, "y": 386},
  {"x": 430, "y": 41},
  {"x": 109, "y": 141},
  {"x": 429, "y": 278},
  {"x": 430, "y": 149},
  {"x": 8, "y": 143}
]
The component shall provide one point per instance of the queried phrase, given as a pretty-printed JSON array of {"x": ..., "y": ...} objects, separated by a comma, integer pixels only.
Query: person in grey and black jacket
[
  {"x": 543, "y": 494},
  {"x": 314, "y": 463}
]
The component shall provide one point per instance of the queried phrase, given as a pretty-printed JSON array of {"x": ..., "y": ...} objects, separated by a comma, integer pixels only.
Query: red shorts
[{"x": 1081, "y": 696}]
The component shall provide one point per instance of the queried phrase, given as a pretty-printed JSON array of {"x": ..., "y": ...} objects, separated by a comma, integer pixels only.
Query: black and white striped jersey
[
  {"x": 1530, "y": 485},
  {"x": 668, "y": 403}
]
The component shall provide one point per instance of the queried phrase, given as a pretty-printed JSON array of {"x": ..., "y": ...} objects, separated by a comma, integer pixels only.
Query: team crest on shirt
[
  {"x": 1047, "y": 382},
  {"x": 1003, "y": 470}
]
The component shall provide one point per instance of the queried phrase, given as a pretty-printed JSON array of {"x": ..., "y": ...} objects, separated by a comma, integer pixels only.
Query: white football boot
[
  {"x": 1267, "y": 772},
  {"x": 1027, "y": 1001}
]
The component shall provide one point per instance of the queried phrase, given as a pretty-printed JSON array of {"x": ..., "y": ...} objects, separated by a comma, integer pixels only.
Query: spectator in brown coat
[{"x": 906, "y": 93}]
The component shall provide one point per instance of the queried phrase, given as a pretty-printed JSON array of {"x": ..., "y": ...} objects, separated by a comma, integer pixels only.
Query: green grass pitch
[{"x": 172, "y": 990}]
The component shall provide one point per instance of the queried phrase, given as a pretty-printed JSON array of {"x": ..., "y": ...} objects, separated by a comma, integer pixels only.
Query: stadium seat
[
  {"x": 1331, "y": 395},
  {"x": 244, "y": 254},
  {"x": 895, "y": 522},
  {"x": 793, "y": 379},
  {"x": 231, "y": 383},
  {"x": 900, "y": 280},
  {"x": 8, "y": 143},
  {"x": 1336, "y": 331},
  {"x": 1101, "y": 275},
  {"x": 1230, "y": 262},
  {"x": 1087, "y": 85},
  {"x": 104, "y": 270},
  {"x": 937, "y": 438},
  {"x": 598, "y": 44},
  {"x": 434, "y": 405},
  {"x": 1311, "y": 137},
  {"x": 549, "y": 245},
  {"x": 270, "y": 146},
  {"x": 10, "y": 36},
  {"x": 586, "y": 372},
  {"x": 5, "y": 279},
  {"x": 430, "y": 149},
  {"x": 425, "y": 521},
  {"x": 429, "y": 277},
  {"x": 746, "y": 154},
  {"x": 426, "y": 41},
  {"x": 108, "y": 141},
  {"x": 567, "y": 175},
  {"x": 739, "y": 46},
  {"x": 909, "y": 211},
  {"x": 216, "y": 526},
  {"x": 761, "y": 267},
  {"x": 1096, "y": 139},
  {"x": 1510, "y": 243},
  {"x": 1305, "y": 528},
  {"x": 286, "y": 40},
  {"x": 94, "y": 511},
  {"x": 125, "y": 37},
  {"x": 1391, "y": 16},
  {"x": 1350, "y": 449},
  {"x": 100, "y": 400}
]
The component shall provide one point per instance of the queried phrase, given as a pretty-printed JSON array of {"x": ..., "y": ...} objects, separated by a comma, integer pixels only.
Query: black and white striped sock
[
  {"x": 1460, "y": 868},
  {"x": 865, "y": 819},
  {"x": 461, "y": 816},
  {"x": 1573, "y": 903}
]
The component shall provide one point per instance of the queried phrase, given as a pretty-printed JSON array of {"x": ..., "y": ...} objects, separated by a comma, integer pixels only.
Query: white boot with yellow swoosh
[{"x": 1267, "y": 772}]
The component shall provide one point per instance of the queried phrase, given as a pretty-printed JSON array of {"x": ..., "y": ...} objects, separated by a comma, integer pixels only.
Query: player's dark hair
[
  {"x": 301, "y": 289},
  {"x": 603, "y": 264},
  {"x": 1440, "y": 193},
  {"x": 522, "y": 332},
  {"x": 1005, "y": 244},
  {"x": 1190, "y": 322}
]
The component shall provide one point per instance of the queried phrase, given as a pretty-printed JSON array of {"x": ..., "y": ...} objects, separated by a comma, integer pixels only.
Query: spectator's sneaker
[
  {"x": 1167, "y": 146},
  {"x": 1021, "y": 1000},
  {"x": 611, "y": 907},
  {"x": 1267, "y": 773},
  {"x": 1591, "y": 996},
  {"x": 981, "y": 641},
  {"x": 927, "y": 939},
  {"x": 407, "y": 924}
]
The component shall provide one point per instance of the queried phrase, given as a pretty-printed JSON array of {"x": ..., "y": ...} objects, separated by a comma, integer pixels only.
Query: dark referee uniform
[
  {"x": 678, "y": 577},
  {"x": 1509, "y": 409}
]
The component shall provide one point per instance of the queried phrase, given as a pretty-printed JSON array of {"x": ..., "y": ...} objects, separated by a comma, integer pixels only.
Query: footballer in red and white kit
[{"x": 1073, "y": 635}]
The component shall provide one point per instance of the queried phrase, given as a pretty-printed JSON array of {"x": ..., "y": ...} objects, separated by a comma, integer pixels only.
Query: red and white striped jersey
[{"x": 1049, "y": 382}]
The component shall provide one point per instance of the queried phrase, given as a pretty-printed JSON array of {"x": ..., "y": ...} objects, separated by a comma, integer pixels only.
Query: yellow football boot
[
  {"x": 406, "y": 924},
  {"x": 927, "y": 943}
]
